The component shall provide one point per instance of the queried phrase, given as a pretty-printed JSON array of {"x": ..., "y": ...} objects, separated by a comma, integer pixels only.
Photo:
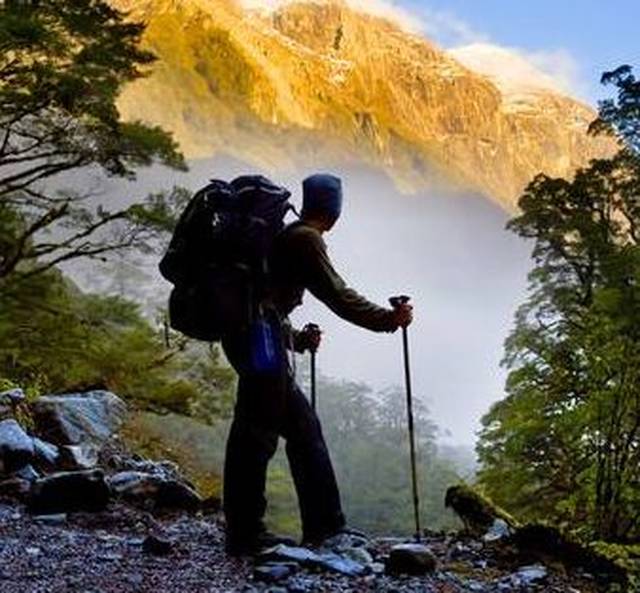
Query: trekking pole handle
[{"x": 398, "y": 301}]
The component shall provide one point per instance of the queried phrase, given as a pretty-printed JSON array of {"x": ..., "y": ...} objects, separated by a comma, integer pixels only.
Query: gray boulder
[
  {"x": 72, "y": 419},
  {"x": 68, "y": 492},
  {"x": 46, "y": 455},
  {"x": 156, "y": 490},
  {"x": 78, "y": 457},
  {"x": 411, "y": 559},
  {"x": 16, "y": 447}
]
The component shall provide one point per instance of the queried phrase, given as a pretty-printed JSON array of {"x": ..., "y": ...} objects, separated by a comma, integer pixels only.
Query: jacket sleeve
[{"x": 322, "y": 280}]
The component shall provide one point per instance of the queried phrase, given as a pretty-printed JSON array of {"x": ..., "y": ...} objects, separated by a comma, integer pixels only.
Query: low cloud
[{"x": 515, "y": 70}]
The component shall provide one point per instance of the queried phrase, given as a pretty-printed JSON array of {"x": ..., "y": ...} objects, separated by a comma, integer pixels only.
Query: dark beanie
[{"x": 322, "y": 194}]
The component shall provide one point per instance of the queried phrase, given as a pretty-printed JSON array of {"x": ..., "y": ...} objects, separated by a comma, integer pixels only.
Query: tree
[
  {"x": 565, "y": 443},
  {"x": 62, "y": 66}
]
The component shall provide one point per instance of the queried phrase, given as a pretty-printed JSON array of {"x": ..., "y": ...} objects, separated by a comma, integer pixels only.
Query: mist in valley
[{"x": 450, "y": 252}]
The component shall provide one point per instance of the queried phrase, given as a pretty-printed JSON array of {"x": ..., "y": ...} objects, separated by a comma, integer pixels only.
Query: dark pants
[{"x": 270, "y": 405}]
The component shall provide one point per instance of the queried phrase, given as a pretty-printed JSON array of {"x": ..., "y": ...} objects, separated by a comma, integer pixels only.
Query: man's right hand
[{"x": 403, "y": 314}]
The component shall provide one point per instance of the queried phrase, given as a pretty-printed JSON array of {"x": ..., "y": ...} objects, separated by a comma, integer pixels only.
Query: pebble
[
  {"x": 156, "y": 546},
  {"x": 272, "y": 572},
  {"x": 57, "y": 519}
]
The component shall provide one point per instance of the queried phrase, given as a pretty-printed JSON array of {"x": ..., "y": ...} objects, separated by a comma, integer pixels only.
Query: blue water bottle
[{"x": 264, "y": 346}]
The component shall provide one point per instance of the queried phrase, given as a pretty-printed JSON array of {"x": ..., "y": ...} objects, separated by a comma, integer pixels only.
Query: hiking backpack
[{"x": 217, "y": 257}]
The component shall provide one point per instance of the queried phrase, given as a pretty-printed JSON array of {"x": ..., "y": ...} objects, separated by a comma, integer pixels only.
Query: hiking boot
[{"x": 256, "y": 543}]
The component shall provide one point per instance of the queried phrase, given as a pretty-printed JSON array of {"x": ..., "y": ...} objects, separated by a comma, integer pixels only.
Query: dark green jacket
[{"x": 300, "y": 262}]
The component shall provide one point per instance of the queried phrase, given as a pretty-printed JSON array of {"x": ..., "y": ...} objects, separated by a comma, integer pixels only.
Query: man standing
[{"x": 270, "y": 405}]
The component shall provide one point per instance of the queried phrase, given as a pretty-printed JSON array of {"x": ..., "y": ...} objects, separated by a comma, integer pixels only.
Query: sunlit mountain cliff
[{"x": 321, "y": 84}]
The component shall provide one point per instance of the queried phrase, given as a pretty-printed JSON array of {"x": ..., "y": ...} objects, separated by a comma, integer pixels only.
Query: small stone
[
  {"x": 528, "y": 575},
  {"x": 27, "y": 473},
  {"x": 110, "y": 557},
  {"x": 56, "y": 519},
  {"x": 32, "y": 551},
  {"x": 157, "y": 546},
  {"x": 377, "y": 568},
  {"x": 499, "y": 530},
  {"x": 273, "y": 572},
  {"x": 411, "y": 559}
]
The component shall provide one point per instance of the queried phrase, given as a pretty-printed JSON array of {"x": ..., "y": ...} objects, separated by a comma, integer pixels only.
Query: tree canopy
[
  {"x": 62, "y": 67},
  {"x": 565, "y": 442}
]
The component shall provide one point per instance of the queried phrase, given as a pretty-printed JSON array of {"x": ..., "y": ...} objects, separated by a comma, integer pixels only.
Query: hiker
[{"x": 271, "y": 404}]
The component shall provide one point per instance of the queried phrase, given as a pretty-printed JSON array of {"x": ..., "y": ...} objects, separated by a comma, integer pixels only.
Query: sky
[{"x": 573, "y": 39}]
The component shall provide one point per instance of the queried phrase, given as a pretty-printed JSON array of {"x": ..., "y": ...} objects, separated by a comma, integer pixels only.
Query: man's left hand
[{"x": 311, "y": 337}]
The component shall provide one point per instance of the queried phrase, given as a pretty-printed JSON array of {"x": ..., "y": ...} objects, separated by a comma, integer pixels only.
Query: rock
[
  {"x": 27, "y": 473},
  {"x": 359, "y": 555},
  {"x": 273, "y": 572},
  {"x": 157, "y": 546},
  {"x": 543, "y": 541},
  {"x": 304, "y": 557},
  {"x": 499, "y": 530},
  {"x": 285, "y": 553},
  {"x": 56, "y": 519},
  {"x": 69, "y": 492},
  {"x": 16, "y": 447},
  {"x": 411, "y": 559},
  {"x": 477, "y": 513},
  {"x": 46, "y": 454},
  {"x": 143, "y": 488},
  {"x": 15, "y": 488},
  {"x": 529, "y": 575},
  {"x": 77, "y": 418},
  {"x": 78, "y": 457},
  {"x": 12, "y": 397},
  {"x": 345, "y": 541},
  {"x": 340, "y": 564}
]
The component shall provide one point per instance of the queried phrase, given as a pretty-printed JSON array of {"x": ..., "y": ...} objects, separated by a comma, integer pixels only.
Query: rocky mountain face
[{"x": 319, "y": 84}]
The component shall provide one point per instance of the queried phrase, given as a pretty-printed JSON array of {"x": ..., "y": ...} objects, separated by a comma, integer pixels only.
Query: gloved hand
[
  {"x": 402, "y": 311},
  {"x": 309, "y": 338},
  {"x": 403, "y": 315}
]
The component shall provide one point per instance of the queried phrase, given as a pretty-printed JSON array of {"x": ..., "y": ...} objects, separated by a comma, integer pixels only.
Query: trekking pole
[
  {"x": 395, "y": 303},
  {"x": 315, "y": 328}
]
